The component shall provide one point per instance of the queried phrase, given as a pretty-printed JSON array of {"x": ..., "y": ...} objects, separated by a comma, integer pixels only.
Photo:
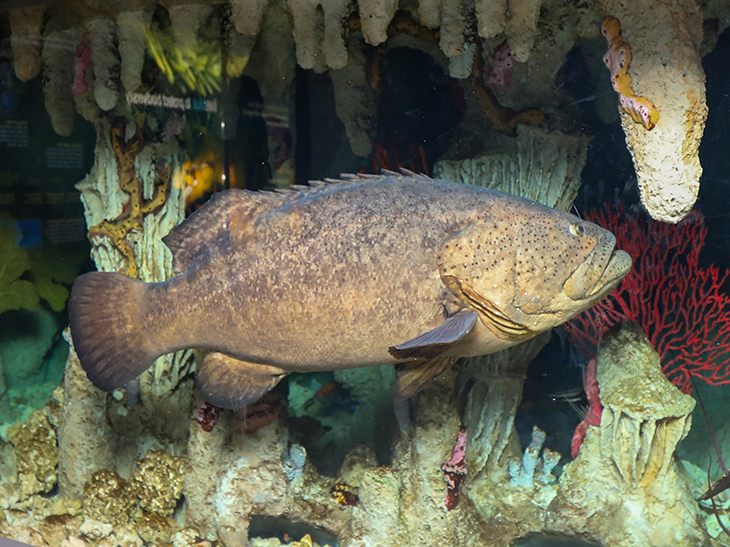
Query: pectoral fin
[
  {"x": 413, "y": 377},
  {"x": 230, "y": 383},
  {"x": 433, "y": 343}
]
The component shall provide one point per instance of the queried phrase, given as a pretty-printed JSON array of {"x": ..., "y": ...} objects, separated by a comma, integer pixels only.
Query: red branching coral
[
  {"x": 680, "y": 304},
  {"x": 595, "y": 408},
  {"x": 455, "y": 470}
]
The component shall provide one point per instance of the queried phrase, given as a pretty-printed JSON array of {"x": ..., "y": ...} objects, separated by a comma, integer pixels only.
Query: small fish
[{"x": 372, "y": 270}]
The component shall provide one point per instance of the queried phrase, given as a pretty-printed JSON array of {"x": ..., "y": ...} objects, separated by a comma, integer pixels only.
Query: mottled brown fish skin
[
  {"x": 334, "y": 277},
  {"x": 327, "y": 282}
]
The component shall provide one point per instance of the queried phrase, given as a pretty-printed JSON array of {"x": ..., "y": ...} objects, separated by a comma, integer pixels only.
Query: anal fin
[
  {"x": 433, "y": 343},
  {"x": 228, "y": 382},
  {"x": 413, "y": 377}
]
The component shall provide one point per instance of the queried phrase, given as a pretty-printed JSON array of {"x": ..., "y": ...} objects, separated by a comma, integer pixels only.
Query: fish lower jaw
[{"x": 618, "y": 266}]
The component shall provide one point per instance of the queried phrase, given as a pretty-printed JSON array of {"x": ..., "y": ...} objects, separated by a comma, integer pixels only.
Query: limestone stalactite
[
  {"x": 25, "y": 39},
  {"x": 666, "y": 67}
]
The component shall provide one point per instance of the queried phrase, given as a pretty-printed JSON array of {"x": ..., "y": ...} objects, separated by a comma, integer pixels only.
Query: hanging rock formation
[{"x": 666, "y": 68}]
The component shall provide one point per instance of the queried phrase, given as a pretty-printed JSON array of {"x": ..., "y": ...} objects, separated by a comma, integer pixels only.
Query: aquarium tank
[{"x": 364, "y": 273}]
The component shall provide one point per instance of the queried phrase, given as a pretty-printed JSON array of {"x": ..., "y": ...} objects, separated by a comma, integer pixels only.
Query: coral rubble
[
  {"x": 36, "y": 451},
  {"x": 109, "y": 498},
  {"x": 627, "y": 464}
]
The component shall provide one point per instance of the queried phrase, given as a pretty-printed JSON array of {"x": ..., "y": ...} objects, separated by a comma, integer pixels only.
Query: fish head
[{"x": 525, "y": 267}]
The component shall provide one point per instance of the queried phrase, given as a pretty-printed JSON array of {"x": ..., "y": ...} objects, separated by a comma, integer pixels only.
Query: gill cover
[
  {"x": 525, "y": 267},
  {"x": 468, "y": 260}
]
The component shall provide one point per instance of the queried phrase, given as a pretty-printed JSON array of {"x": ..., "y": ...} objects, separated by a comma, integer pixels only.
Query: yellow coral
[
  {"x": 15, "y": 293},
  {"x": 617, "y": 59},
  {"x": 155, "y": 529},
  {"x": 158, "y": 482},
  {"x": 197, "y": 67},
  {"x": 109, "y": 498},
  {"x": 306, "y": 541},
  {"x": 37, "y": 454}
]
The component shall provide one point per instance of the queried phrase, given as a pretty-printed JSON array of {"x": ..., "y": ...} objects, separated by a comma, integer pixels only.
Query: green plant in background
[
  {"x": 196, "y": 68},
  {"x": 29, "y": 275},
  {"x": 53, "y": 270},
  {"x": 15, "y": 293}
]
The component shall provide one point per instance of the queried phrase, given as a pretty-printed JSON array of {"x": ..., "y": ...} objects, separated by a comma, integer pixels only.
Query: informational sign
[
  {"x": 65, "y": 156},
  {"x": 14, "y": 134}
]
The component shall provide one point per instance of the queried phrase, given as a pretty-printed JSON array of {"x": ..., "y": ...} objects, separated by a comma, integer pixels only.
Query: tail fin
[{"x": 107, "y": 328}]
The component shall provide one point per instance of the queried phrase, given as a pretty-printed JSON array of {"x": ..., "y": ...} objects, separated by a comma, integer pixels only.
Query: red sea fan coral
[{"x": 680, "y": 305}]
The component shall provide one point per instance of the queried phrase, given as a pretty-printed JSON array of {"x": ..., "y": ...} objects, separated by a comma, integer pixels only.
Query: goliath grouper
[{"x": 366, "y": 271}]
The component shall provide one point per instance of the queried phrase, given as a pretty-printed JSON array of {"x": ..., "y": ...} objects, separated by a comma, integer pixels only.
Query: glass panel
[{"x": 363, "y": 273}]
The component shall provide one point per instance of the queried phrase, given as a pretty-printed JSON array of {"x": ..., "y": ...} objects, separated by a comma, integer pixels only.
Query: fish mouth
[
  {"x": 600, "y": 273},
  {"x": 619, "y": 264}
]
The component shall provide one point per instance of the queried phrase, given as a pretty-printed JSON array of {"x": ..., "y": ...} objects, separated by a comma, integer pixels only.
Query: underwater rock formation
[
  {"x": 356, "y": 101},
  {"x": 492, "y": 387},
  {"x": 106, "y": 61},
  {"x": 546, "y": 167},
  {"x": 665, "y": 67},
  {"x": 58, "y": 75},
  {"x": 331, "y": 51},
  {"x": 86, "y": 440},
  {"x": 247, "y": 15},
  {"x": 234, "y": 477},
  {"x": 36, "y": 454},
  {"x": 627, "y": 465},
  {"x": 130, "y": 28},
  {"x": 26, "y": 41}
]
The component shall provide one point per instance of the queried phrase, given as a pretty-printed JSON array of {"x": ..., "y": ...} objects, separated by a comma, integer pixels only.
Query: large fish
[{"x": 366, "y": 271}]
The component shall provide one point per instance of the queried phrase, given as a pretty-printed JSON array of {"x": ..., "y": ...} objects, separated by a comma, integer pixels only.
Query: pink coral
[
  {"x": 455, "y": 470},
  {"x": 595, "y": 409},
  {"x": 82, "y": 59},
  {"x": 503, "y": 62}
]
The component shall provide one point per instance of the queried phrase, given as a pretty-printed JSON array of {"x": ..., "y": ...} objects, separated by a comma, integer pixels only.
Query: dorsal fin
[
  {"x": 208, "y": 223},
  {"x": 212, "y": 220}
]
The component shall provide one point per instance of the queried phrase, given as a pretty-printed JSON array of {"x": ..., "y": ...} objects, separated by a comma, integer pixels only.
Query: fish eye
[{"x": 577, "y": 229}]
